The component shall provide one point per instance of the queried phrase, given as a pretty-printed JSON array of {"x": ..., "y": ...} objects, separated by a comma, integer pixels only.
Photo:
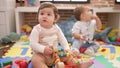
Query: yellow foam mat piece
[
  {"x": 16, "y": 51},
  {"x": 108, "y": 53}
]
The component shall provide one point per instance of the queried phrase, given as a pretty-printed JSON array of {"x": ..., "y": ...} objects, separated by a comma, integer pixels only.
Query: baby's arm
[
  {"x": 62, "y": 39},
  {"x": 78, "y": 36},
  {"x": 35, "y": 45},
  {"x": 98, "y": 22},
  {"x": 76, "y": 32}
]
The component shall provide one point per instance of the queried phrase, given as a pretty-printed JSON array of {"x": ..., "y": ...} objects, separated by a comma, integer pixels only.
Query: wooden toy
[
  {"x": 58, "y": 63},
  {"x": 60, "y": 52}
]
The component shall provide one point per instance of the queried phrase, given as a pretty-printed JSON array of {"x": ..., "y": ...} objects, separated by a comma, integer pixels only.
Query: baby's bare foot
[{"x": 86, "y": 64}]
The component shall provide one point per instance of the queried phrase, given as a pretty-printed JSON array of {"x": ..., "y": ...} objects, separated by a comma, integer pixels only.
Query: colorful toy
[
  {"x": 34, "y": 2},
  {"x": 113, "y": 32},
  {"x": 113, "y": 38},
  {"x": 24, "y": 38},
  {"x": 58, "y": 63},
  {"x": 114, "y": 43},
  {"x": 118, "y": 39},
  {"x": 6, "y": 64},
  {"x": 22, "y": 63},
  {"x": 60, "y": 52},
  {"x": 26, "y": 28}
]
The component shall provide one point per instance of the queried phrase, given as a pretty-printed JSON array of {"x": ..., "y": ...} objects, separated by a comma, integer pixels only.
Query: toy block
[
  {"x": 8, "y": 66},
  {"x": 9, "y": 62}
]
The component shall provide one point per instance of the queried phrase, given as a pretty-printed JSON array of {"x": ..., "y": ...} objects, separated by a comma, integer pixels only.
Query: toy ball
[
  {"x": 113, "y": 38},
  {"x": 118, "y": 39},
  {"x": 23, "y": 64}
]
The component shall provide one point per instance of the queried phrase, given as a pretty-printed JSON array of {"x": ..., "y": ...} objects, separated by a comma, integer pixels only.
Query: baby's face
[
  {"x": 46, "y": 17},
  {"x": 87, "y": 14}
]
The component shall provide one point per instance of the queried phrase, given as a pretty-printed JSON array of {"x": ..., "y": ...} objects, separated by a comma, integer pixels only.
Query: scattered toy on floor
[{"x": 12, "y": 37}]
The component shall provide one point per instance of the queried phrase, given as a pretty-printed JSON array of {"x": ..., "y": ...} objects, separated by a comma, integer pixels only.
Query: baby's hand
[
  {"x": 82, "y": 38},
  {"x": 94, "y": 16},
  {"x": 48, "y": 50}
]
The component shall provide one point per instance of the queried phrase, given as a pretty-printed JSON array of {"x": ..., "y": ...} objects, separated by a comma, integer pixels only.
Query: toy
[
  {"x": 57, "y": 54},
  {"x": 33, "y": 2},
  {"x": 118, "y": 39},
  {"x": 6, "y": 64},
  {"x": 113, "y": 32},
  {"x": 103, "y": 36},
  {"x": 58, "y": 63},
  {"x": 12, "y": 37},
  {"x": 60, "y": 52},
  {"x": 113, "y": 39},
  {"x": 26, "y": 28},
  {"x": 25, "y": 32},
  {"x": 24, "y": 38},
  {"x": 115, "y": 43},
  {"x": 5, "y": 51},
  {"x": 5, "y": 40},
  {"x": 21, "y": 63}
]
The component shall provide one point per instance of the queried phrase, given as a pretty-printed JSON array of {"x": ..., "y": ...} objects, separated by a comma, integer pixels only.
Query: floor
[
  {"x": 108, "y": 56},
  {"x": 4, "y": 48}
]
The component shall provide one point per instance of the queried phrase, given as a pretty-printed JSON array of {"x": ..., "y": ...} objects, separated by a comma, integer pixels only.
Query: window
[
  {"x": 117, "y": 1},
  {"x": 67, "y": 1},
  {"x": 61, "y": 1}
]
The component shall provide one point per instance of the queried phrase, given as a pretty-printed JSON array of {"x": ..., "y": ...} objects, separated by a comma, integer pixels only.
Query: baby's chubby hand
[
  {"x": 82, "y": 37},
  {"x": 48, "y": 50},
  {"x": 94, "y": 16}
]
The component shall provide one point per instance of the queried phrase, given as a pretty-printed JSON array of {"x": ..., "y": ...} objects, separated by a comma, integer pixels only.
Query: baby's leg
[{"x": 38, "y": 61}]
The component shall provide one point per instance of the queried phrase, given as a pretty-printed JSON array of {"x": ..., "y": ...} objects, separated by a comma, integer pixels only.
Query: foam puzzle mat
[{"x": 108, "y": 56}]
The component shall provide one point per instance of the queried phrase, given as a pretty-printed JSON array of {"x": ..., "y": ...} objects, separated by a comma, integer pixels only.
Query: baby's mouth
[{"x": 45, "y": 20}]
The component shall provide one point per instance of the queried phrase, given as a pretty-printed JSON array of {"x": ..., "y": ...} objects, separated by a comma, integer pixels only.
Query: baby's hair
[
  {"x": 78, "y": 11},
  {"x": 49, "y": 5}
]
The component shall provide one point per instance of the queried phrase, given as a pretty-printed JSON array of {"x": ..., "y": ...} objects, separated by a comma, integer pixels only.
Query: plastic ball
[
  {"x": 113, "y": 39},
  {"x": 118, "y": 39}
]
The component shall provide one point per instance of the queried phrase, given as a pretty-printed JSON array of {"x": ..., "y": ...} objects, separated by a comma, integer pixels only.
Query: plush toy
[
  {"x": 103, "y": 36},
  {"x": 114, "y": 32},
  {"x": 12, "y": 37}
]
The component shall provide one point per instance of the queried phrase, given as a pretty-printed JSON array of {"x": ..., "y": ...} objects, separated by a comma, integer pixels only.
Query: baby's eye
[
  {"x": 49, "y": 14},
  {"x": 41, "y": 13}
]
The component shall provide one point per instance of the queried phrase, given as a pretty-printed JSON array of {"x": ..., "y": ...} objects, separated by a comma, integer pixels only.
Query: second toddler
[{"x": 83, "y": 30}]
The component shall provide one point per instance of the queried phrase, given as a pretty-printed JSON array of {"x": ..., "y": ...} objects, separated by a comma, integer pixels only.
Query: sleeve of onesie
[
  {"x": 76, "y": 28},
  {"x": 63, "y": 40},
  {"x": 34, "y": 41},
  {"x": 94, "y": 24}
]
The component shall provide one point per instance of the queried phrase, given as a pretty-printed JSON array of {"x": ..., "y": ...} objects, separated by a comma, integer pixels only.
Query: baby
[{"x": 46, "y": 35}]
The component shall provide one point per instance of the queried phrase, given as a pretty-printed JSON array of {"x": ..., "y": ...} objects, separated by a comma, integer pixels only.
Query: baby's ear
[{"x": 57, "y": 18}]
